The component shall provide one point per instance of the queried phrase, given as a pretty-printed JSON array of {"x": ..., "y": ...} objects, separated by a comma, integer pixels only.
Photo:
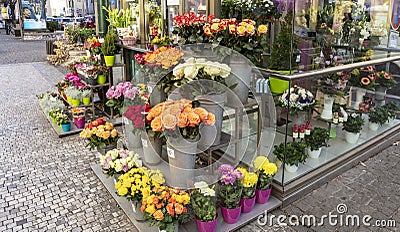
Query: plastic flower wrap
[
  {"x": 165, "y": 206},
  {"x": 363, "y": 78},
  {"x": 138, "y": 182},
  {"x": 203, "y": 201},
  {"x": 249, "y": 183},
  {"x": 230, "y": 186},
  {"x": 265, "y": 170},
  {"x": 123, "y": 91},
  {"x": 299, "y": 99},
  {"x": 118, "y": 161},
  {"x": 99, "y": 133},
  {"x": 172, "y": 115}
]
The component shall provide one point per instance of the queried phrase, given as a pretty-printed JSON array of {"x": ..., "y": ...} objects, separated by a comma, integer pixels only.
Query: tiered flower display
[
  {"x": 299, "y": 99},
  {"x": 384, "y": 79},
  {"x": 165, "y": 206},
  {"x": 171, "y": 115},
  {"x": 93, "y": 45},
  {"x": 363, "y": 78},
  {"x": 119, "y": 161},
  {"x": 123, "y": 91},
  {"x": 99, "y": 133}
]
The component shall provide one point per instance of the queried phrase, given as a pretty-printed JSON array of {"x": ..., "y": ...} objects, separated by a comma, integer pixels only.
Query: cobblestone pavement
[{"x": 46, "y": 183}]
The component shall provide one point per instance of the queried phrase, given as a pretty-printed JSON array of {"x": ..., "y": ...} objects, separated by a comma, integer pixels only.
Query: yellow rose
[
  {"x": 241, "y": 30},
  {"x": 106, "y": 135},
  {"x": 122, "y": 191},
  {"x": 269, "y": 168},
  {"x": 108, "y": 126},
  {"x": 215, "y": 27},
  {"x": 185, "y": 199},
  {"x": 158, "y": 215},
  {"x": 151, "y": 209},
  {"x": 250, "y": 29},
  {"x": 114, "y": 133},
  {"x": 262, "y": 29}
]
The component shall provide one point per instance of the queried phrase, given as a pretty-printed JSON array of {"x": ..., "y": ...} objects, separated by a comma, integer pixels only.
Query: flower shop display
[
  {"x": 294, "y": 154},
  {"x": 189, "y": 28},
  {"x": 204, "y": 204},
  {"x": 128, "y": 37},
  {"x": 362, "y": 79},
  {"x": 93, "y": 71},
  {"x": 266, "y": 172},
  {"x": 78, "y": 114},
  {"x": 248, "y": 198},
  {"x": 299, "y": 99},
  {"x": 117, "y": 94},
  {"x": 165, "y": 207},
  {"x": 391, "y": 109},
  {"x": 63, "y": 121},
  {"x": 93, "y": 46},
  {"x": 136, "y": 185},
  {"x": 50, "y": 101},
  {"x": 353, "y": 126},
  {"x": 108, "y": 48},
  {"x": 118, "y": 18},
  {"x": 317, "y": 139},
  {"x": 100, "y": 134},
  {"x": 230, "y": 191},
  {"x": 73, "y": 96},
  {"x": 180, "y": 124},
  {"x": 119, "y": 161},
  {"x": 377, "y": 117}
]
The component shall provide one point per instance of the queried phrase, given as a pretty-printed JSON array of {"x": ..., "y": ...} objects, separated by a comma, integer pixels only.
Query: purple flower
[
  {"x": 110, "y": 93},
  {"x": 106, "y": 165},
  {"x": 123, "y": 154},
  {"x": 225, "y": 169},
  {"x": 228, "y": 179},
  {"x": 238, "y": 173},
  {"x": 131, "y": 93},
  {"x": 125, "y": 168}
]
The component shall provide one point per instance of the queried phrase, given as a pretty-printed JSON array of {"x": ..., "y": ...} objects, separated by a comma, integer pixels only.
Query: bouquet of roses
[
  {"x": 118, "y": 161},
  {"x": 203, "y": 202},
  {"x": 165, "y": 206},
  {"x": 172, "y": 115},
  {"x": 265, "y": 170},
  {"x": 136, "y": 107},
  {"x": 299, "y": 99},
  {"x": 189, "y": 27},
  {"x": 99, "y": 133},
  {"x": 230, "y": 186}
]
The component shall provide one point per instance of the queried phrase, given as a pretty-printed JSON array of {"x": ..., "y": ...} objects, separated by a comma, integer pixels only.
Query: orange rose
[
  {"x": 188, "y": 109},
  {"x": 183, "y": 120},
  {"x": 210, "y": 119},
  {"x": 207, "y": 30},
  {"x": 95, "y": 123},
  {"x": 193, "y": 119},
  {"x": 170, "y": 209},
  {"x": 106, "y": 135},
  {"x": 114, "y": 133},
  {"x": 179, "y": 208},
  {"x": 156, "y": 124},
  {"x": 158, "y": 215},
  {"x": 202, "y": 113},
  {"x": 169, "y": 121}
]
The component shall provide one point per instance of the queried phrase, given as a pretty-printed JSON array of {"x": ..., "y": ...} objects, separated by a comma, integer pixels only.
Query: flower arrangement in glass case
[
  {"x": 384, "y": 79},
  {"x": 363, "y": 78},
  {"x": 299, "y": 99}
]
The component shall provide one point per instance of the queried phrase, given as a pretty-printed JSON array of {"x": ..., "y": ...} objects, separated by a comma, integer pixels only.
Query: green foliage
[
  {"x": 108, "y": 46},
  {"x": 295, "y": 153},
  {"x": 52, "y": 26},
  {"x": 354, "y": 123},
  {"x": 118, "y": 19},
  {"x": 204, "y": 206},
  {"x": 379, "y": 115},
  {"x": 230, "y": 194},
  {"x": 318, "y": 138},
  {"x": 248, "y": 192},
  {"x": 76, "y": 34},
  {"x": 264, "y": 180},
  {"x": 391, "y": 108}
]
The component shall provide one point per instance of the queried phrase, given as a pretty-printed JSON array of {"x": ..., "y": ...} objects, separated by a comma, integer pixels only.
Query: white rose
[
  {"x": 118, "y": 167},
  {"x": 190, "y": 72},
  {"x": 112, "y": 164},
  {"x": 191, "y": 60},
  {"x": 201, "y": 185},
  {"x": 114, "y": 154},
  {"x": 102, "y": 159},
  {"x": 178, "y": 71},
  {"x": 137, "y": 160}
]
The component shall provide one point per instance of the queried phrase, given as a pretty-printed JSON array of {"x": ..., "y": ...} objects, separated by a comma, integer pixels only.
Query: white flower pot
[
  {"x": 389, "y": 121},
  {"x": 291, "y": 168},
  {"x": 352, "y": 138},
  {"x": 328, "y": 103},
  {"x": 314, "y": 154},
  {"x": 373, "y": 126}
]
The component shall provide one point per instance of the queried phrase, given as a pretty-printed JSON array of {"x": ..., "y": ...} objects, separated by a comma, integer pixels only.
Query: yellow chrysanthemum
[
  {"x": 270, "y": 168},
  {"x": 122, "y": 191},
  {"x": 185, "y": 199},
  {"x": 260, "y": 161},
  {"x": 151, "y": 209}
]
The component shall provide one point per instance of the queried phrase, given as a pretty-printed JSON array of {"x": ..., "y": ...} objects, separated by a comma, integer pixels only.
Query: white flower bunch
[
  {"x": 298, "y": 99},
  {"x": 118, "y": 161},
  {"x": 190, "y": 69},
  {"x": 204, "y": 189}
]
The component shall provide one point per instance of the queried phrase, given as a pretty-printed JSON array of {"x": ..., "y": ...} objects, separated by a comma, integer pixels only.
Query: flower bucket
[
  {"x": 66, "y": 127},
  {"x": 75, "y": 102},
  {"x": 137, "y": 213},
  {"x": 86, "y": 100},
  {"x": 262, "y": 196},
  {"x": 211, "y": 135},
  {"x": 247, "y": 204},
  {"x": 157, "y": 95},
  {"x": 328, "y": 104},
  {"x": 373, "y": 126},
  {"x": 182, "y": 160},
  {"x": 210, "y": 226},
  {"x": 278, "y": 86},
  {"x": 314, "y": 154},
  {"x": 109, "y": 60},
  {"x": 359, "y": 98},
  {"x": 231, "y": 216},
  {"x": 152, "y": 148},
  {"x": 240, "y": 75},
  {"x": 380, "y": 93},
  {"x": 132, "y": 141},
  {"x": 101, "y": 79},
  {"x": 352, "y": 138},
  {"x": 79, "y": 122}
]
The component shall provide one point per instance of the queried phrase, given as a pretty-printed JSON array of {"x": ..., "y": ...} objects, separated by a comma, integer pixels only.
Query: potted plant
[
  {"x": 141, "y": 181},
  {"x": 53, "y": 114},
  {"x": 353, "y": 126},
  {"x": 248, "y": 198},
  {"x": 116, "y": 95},
  {"x": 86, "y": 93},
  {"x": 294, "y": 155},
  {"x": 317, "y": 139},
  {"x": 165, "y": 206},
  {"x": 376, "y": 118},
  {"x": 74, "y": 95},
  {"x": 100, "y": 134},
  {"x": 108, "y": 48},
  {"x": 363, "y": 78},
  {"x": 266, "y": 172},
  {"x": 391, "y": 108},
  {"x": 78, "y": 115},
  {"x": 63, "y": 121},
  {"x": 383, "y": 82},
  {"x": 230, "y": 191},
  {"x": 203, "y": 202},
  {"x": 118, "y": 19}
]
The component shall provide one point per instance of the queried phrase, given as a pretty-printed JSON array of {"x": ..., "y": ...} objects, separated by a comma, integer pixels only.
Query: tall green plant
[
  {"x": 108, "y": 46},
  {"x": 118, "y": 19}
]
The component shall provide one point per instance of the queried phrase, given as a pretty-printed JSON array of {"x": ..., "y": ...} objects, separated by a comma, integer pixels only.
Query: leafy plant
[
  {"x": 391, "y": 108},
  {"x": 61, "y": 118},
  {"x": 294, "y": 154},
  {"x": 86, "y": 93},
  {"x": 230, "y": 186},
  {"x": 108, "y": 46},
  {"x": 73, "y": 92},
  {"x": 384, "y": 79},
  {"x": 354, "y": 123},
  {"x": 317, "y": 138},
  {"x": 52, "y": 26},
  {"x": 118, "y": 19},
  {"x": 203, "y": 202},
  {"x": 379, "y": 116}
]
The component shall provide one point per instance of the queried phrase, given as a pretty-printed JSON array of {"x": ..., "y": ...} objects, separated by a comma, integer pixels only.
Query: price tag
[
  {"x": 171, "y": 153},
  {"x": 134, "y": 208},
  {"x": 150, "y": 89},
  {"x": 144, "y": 143},
  {"x": 125, "y": 120}
]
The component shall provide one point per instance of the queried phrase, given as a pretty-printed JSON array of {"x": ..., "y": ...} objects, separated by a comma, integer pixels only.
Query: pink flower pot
[
  {"x": 210, "y": 226},
  {"x": 262, "y": 196},
  {"x": 247, "y": 204},
  {"x": 79, "y": 122},
  {"x": 231, "y": 216}
]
